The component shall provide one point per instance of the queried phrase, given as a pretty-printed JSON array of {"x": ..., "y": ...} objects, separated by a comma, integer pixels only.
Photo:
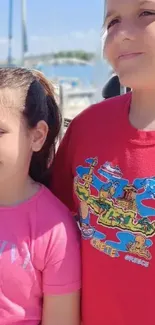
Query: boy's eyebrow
[
  {"x": 145, "y": 1},
  {"x": 108, "y": 15},
  {"x": 113, "y": 12}
]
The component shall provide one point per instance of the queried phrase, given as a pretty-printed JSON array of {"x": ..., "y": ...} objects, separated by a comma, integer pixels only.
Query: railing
[{"x": 72, "y": 102}]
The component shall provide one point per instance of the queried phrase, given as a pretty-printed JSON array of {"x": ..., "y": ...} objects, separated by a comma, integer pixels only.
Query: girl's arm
[
  {"x": 57, "y": 257},
  {"x": 61, "y": 309}
]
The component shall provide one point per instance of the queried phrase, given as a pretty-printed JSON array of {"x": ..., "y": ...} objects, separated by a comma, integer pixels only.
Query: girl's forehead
[
  {"x": 10, "y": 99},
  {"x": 10, "y": 105}
]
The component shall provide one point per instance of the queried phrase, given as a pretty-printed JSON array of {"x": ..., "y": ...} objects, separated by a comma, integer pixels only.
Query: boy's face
[{"x": 130, "y": 41}]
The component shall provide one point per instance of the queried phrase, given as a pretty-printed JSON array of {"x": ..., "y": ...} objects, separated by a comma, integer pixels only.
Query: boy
[{"x": 105, "y": 171}]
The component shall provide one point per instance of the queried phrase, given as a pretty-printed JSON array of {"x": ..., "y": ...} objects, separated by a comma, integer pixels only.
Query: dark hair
[{"x": 38, "y": 104}]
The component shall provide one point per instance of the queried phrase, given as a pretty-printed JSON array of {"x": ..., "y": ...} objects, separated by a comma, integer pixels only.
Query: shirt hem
[{"x": 58, "y": 290}]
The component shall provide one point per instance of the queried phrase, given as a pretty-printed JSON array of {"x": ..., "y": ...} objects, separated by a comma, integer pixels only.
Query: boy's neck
[{"x": 142, "y": 110}]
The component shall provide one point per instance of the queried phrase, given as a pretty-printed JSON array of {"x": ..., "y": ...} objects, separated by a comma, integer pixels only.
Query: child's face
[
  {"x": 15, "y": 140},
  {"x": 130, "y": 42}
]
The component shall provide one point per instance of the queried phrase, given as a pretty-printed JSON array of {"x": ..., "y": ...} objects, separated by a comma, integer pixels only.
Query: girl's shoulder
[
  {"x": 49, "y": 206},
  {"x": 56, "y": 235},
  {"x": 52, "y": 217}
]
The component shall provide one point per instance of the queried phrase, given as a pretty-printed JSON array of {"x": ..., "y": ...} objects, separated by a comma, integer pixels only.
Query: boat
[{"x": 74, "y": 96}]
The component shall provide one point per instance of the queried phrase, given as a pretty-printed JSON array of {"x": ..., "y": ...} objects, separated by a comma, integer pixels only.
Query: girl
[
  {"x": 108, "y": 174},
  {"x": 39, "y": 250}
]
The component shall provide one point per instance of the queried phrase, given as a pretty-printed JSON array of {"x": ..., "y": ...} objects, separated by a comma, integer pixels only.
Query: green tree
[{"x": 82, "y": 55}]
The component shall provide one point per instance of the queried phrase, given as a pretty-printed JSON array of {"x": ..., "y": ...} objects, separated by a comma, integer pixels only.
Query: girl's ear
[{"x": 39, "y": 135}]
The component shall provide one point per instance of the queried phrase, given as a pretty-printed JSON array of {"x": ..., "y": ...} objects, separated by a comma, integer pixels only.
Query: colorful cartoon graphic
[
  {"x": 139, "y": 247},
  {"x": 116, "y": 204},
  {"x": 130, "y": 243},
  {"x": 86, "y": 229}
]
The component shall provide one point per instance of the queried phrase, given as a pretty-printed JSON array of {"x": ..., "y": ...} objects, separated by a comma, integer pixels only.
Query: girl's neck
[
  {"x": 17, "y": 192},
  {"x": 142, "y": 110}
]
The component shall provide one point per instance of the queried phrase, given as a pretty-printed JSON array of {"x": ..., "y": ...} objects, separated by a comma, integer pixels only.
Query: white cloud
[
  {"x": 77, "y": 35},
  {"x": 3, "y": 48},
  {"x": 36, "y": 38},
  {"x": 3, "y": 41},
  {"x": 86, "y": 40}
]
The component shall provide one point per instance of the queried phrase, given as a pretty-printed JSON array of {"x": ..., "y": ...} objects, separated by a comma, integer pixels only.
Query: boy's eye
[
  {"x": 2, "y": 132},
  {"x": 113, "y": 22},
  {"x": 147, "y": 13}
]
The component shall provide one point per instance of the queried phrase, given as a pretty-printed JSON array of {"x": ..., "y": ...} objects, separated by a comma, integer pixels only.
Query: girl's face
[
  {"x": 130, "y": 41},
  {"x": 17, "y": 141}
]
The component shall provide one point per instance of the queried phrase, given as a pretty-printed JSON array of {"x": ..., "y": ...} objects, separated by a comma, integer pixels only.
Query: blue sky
[{"x": 53, "y": 25}]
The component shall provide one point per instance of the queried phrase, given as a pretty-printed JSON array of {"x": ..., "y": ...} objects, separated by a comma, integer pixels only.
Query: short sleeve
[{"x": 57, "y": 250}]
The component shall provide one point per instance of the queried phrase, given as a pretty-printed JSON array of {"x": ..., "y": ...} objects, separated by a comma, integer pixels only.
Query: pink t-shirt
[{"x": 39, "y": 254}]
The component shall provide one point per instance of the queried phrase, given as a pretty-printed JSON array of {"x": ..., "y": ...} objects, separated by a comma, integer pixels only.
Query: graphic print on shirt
[
  {"x": 16, "y": 264},
  {"x": 118, "y": 205},
  {"x": 16, "y": 254}
]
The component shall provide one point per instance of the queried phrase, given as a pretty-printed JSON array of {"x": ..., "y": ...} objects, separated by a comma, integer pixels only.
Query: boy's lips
[{"x": 129, "y": 55}]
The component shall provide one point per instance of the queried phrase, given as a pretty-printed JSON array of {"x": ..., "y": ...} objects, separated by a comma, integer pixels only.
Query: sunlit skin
[
  {"x": 130, "y": 40},
  {"x": 130, "y": 49},
  {"x": 17, "y": 144}
]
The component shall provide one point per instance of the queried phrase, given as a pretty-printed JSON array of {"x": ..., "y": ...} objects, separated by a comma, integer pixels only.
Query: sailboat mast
[
  {"x": 24, "y": 32},
  {"x": 10, "y": 33}
]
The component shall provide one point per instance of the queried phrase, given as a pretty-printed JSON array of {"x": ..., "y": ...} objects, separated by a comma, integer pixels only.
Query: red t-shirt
[{"x": 105, "y": 170}]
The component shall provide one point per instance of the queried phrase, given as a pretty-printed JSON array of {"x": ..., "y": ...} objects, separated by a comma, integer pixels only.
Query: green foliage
[{"x": 81, "y": 55}]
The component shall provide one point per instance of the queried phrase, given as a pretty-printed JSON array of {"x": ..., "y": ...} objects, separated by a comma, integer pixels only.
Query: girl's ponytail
[{"x": 39, "y": 168}]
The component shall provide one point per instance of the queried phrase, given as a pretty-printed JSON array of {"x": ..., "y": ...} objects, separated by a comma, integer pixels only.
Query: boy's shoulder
[{"x": 108, "y": 108}]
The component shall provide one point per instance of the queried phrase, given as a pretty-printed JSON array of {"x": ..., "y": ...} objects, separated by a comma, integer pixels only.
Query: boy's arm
[{"x": 61, "y": 171}]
